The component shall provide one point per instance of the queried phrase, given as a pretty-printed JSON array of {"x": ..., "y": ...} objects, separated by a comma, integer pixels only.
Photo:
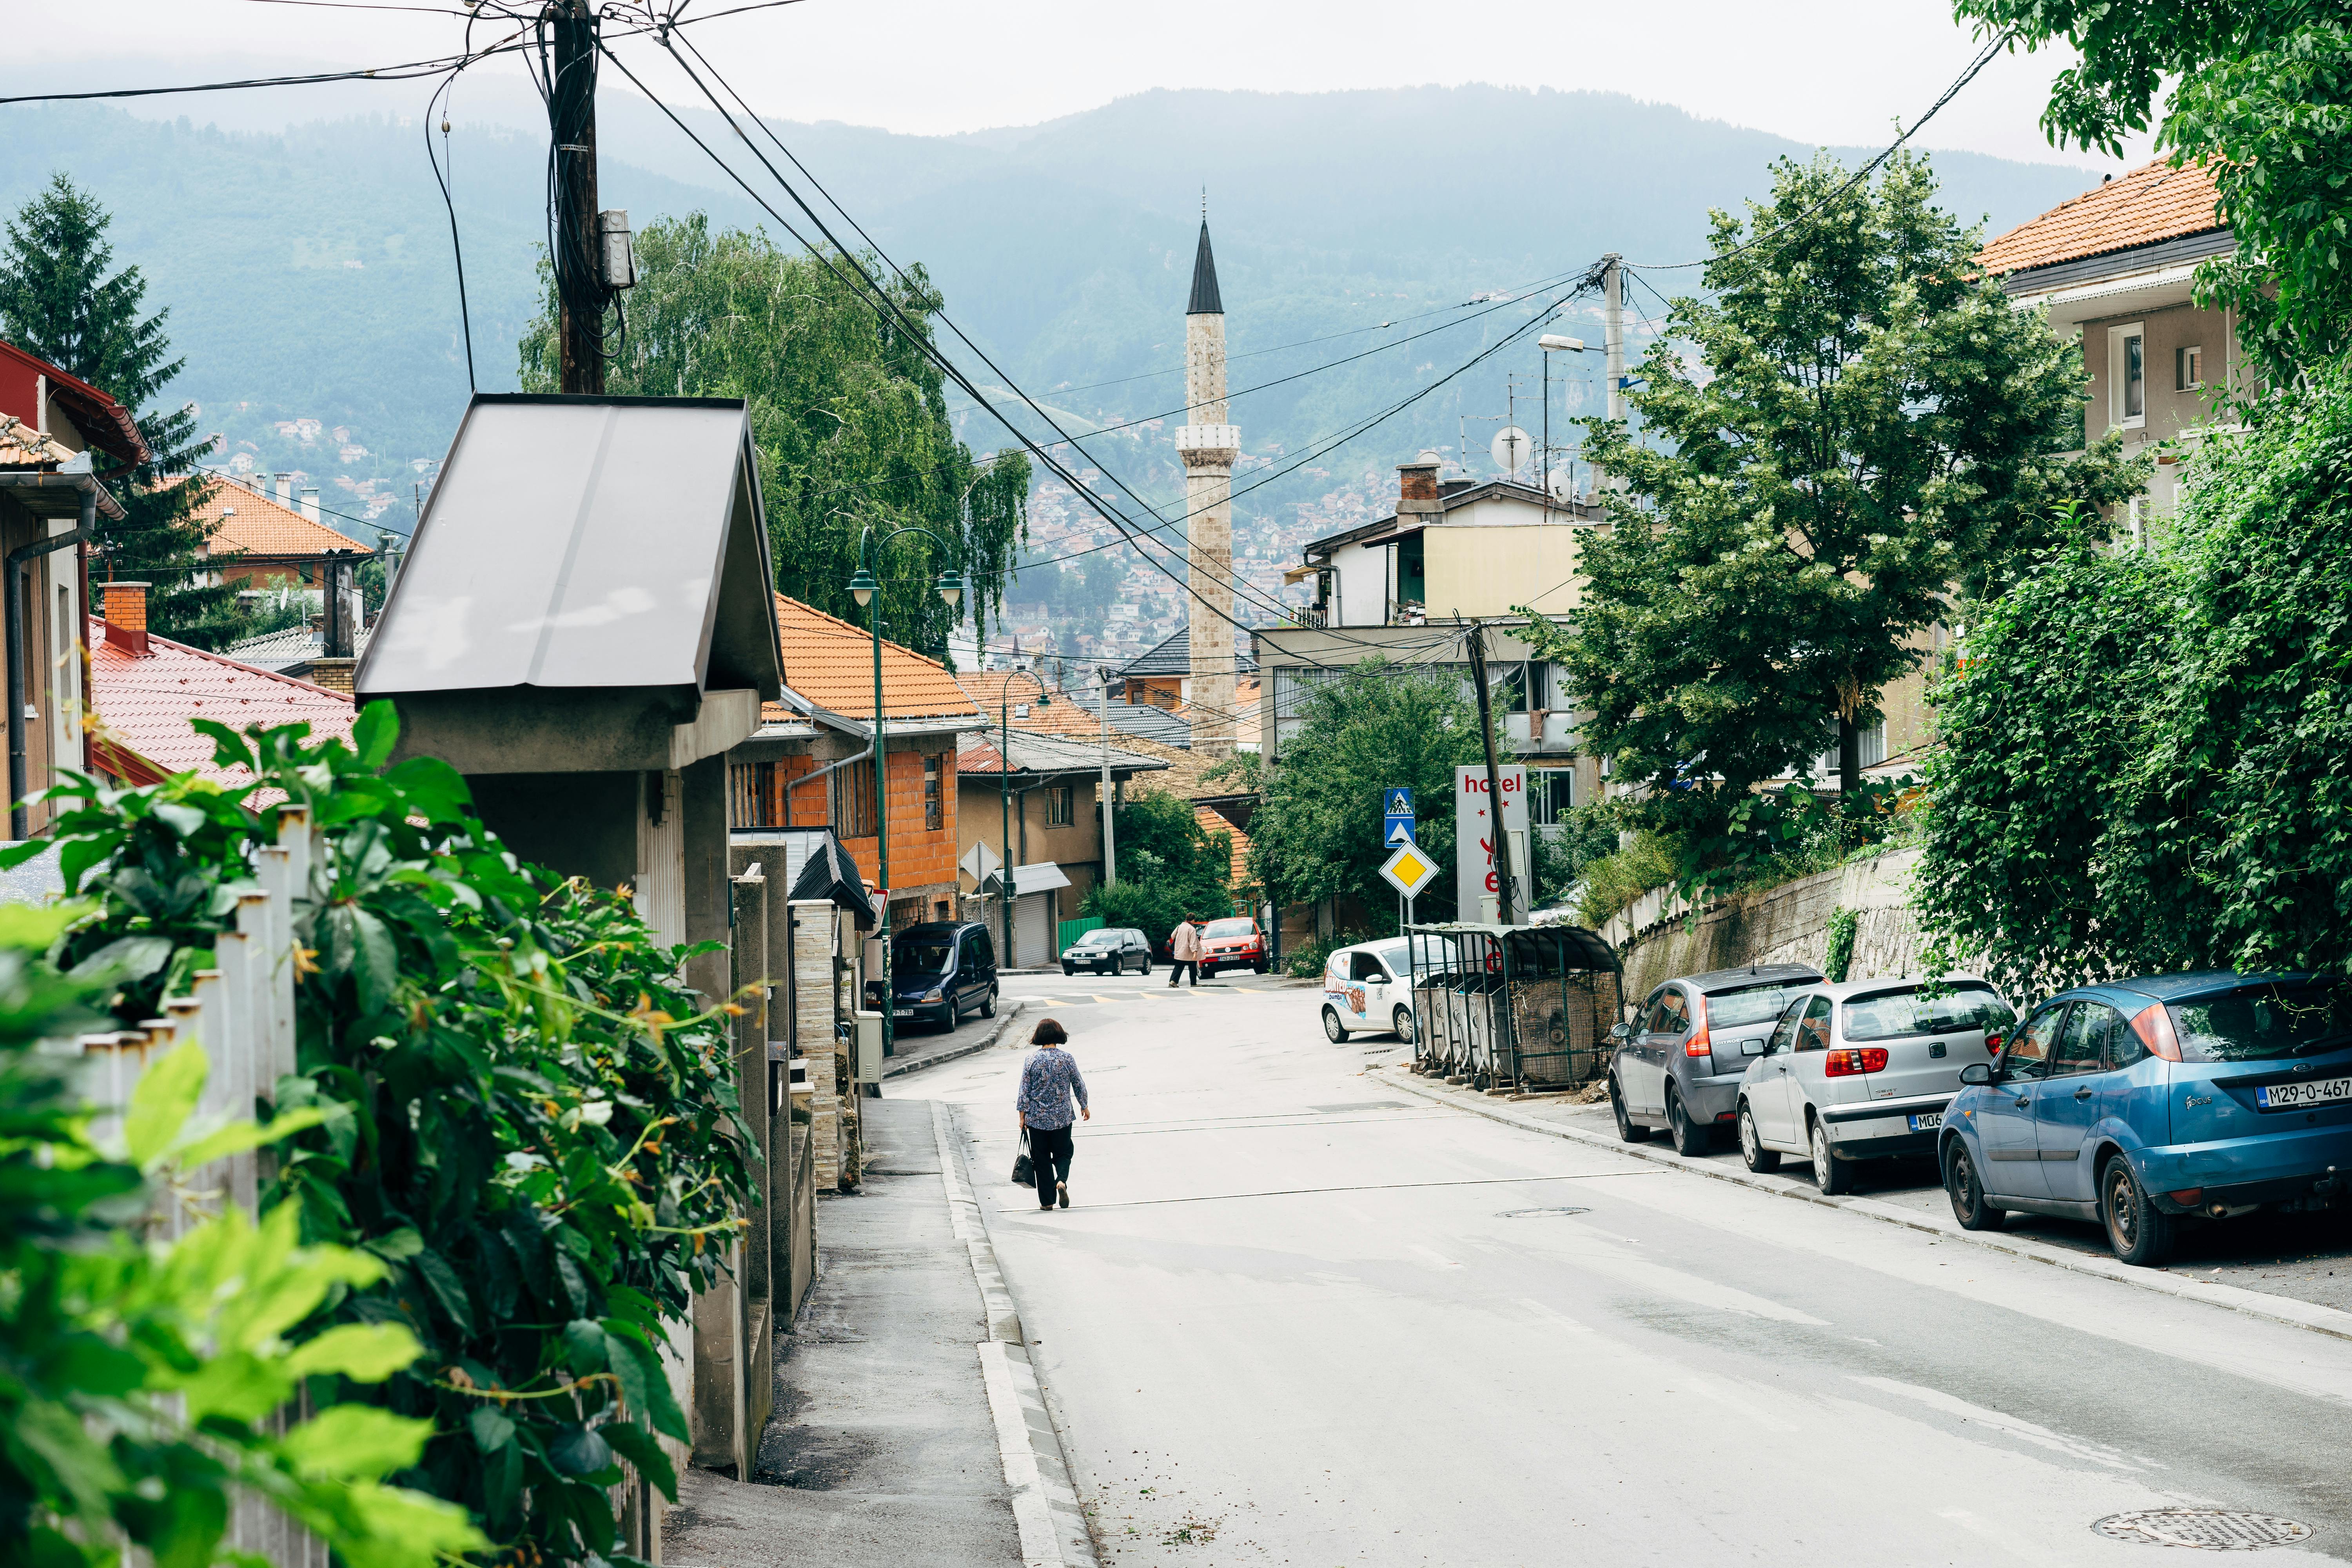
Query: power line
[{"x": 1984, "y": 58}]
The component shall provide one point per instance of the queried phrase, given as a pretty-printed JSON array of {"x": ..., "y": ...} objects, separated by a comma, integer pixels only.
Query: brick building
[{"x": 811, "y": 761}]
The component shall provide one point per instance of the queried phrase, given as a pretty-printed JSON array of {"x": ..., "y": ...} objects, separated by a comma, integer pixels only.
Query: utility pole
[
  {"x": 1501, "y": 840},
  {"x": 1612, "y": 294},
  {"x": 571, "y": 122},
  {"x": 1111, "y": 839}
]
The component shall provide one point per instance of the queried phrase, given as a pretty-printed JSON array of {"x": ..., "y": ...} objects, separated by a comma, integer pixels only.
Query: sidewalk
[
  {"x": 914, "y": 1052},
  {"x": 904, "y": 1434}
]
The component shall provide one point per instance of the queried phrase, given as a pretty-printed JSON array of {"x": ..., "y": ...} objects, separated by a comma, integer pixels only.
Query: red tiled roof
[
  {"x": 831, "y": 663},
  {"x": 2154, "y": 202},
  {"x": 145, "y": 706},
  {"x": 239, "y": 522}
]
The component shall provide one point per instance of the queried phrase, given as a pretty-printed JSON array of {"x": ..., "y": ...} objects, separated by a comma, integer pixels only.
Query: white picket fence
[{"x": 242, "y": 1012}]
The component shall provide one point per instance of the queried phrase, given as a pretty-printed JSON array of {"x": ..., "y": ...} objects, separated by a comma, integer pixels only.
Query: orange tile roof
[
  {"x": 21, "y": 443},
  {"x": 1214, "y": 824},
  {"x": 2154, "y": 202},
  {"x": 239, "y": 522},
  {"x": 831, "y": 663},
  {"x": 144, "y": 704}
]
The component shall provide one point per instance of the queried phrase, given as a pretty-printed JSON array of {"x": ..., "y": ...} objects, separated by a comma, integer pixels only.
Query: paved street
[{"x": 1296, "y": 1315}]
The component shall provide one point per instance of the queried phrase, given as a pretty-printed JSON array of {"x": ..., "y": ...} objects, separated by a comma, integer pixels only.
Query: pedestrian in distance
[
  {"x": 1184, "y": 951},
  {"x": 1049, "y": 1080}
]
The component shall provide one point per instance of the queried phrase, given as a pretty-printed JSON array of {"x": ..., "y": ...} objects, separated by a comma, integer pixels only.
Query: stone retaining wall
[{"x": 1787, "y": 924}]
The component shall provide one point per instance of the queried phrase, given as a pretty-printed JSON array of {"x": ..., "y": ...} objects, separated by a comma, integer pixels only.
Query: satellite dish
[
  {"x": 1561, "y": 483},
  {"x": 1512, "y": 448}
]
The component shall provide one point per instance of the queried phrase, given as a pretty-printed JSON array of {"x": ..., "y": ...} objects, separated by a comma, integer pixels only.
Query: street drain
[
  {"x": 2203, "y": 1529},
  {"x": 1531, "y": 1214}
]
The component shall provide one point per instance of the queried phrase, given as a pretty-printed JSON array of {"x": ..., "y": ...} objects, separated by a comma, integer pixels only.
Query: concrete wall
[{"x": 1787, "y": 924}]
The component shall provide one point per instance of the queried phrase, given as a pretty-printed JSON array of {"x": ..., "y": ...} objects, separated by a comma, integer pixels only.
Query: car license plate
[
  {"x": 1927, "y": 1122},
  {"x": 2284, "y": 1096}
]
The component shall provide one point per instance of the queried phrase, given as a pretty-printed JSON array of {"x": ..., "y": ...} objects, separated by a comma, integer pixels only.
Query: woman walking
[{"x": 1047, "y": 1083}]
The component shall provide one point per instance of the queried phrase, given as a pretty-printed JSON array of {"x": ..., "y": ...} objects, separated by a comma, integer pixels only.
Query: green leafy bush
[
  {"x": 134, "y": 1376},
  {"x": 2145, "y": 765},
  {"x": 1613, "y": 882},
  {"x": 1307, "y": 962},
  {"x": 522, "y": 1114},
  {"x": 1170, "y": 867}
]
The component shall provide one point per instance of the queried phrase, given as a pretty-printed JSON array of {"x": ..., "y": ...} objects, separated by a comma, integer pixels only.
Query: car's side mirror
[
  {"x": 1619, "y": 1032},
  {"x": 1977, "y": 1072},
  {"x": 1752, "y": 1048}
]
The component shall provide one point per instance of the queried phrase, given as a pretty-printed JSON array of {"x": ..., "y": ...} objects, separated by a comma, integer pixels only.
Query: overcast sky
[{"x": 1837, "y": 71}]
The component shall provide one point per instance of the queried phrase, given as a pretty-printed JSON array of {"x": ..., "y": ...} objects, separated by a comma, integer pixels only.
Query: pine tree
[{"x": 59, "y": 301}]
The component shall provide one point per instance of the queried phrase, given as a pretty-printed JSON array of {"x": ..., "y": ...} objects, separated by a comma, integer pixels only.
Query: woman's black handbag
[{"x": 1024, "y": 1175}]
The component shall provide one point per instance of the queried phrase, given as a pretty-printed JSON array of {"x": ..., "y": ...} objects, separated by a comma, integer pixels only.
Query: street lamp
[
  {"x": 1004, "y": 793},
  {"x": 863, "y": 586},
  {"x": 1551, "y": 344}
]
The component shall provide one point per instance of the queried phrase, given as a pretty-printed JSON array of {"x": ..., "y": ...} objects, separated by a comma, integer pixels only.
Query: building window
[
  {"x": 752, "y": 795},
  {"x": 934, "y": 808},
  {"x": 2128, "y": 375},
  {"x": 1551, "y": 795},
  {"x": 853, "y": 801},
  {"x": 2188, "y": 368},
  {"x": 1061, "y": 806}
]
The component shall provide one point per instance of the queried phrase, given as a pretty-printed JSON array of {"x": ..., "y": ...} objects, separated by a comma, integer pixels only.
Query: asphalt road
[{"x": 1295, "y": 1316}]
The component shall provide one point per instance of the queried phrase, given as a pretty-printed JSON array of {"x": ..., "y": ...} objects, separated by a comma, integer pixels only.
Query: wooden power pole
[
  {"x": 1501, "y": 840},
  {"x": 571, "y": 122}
]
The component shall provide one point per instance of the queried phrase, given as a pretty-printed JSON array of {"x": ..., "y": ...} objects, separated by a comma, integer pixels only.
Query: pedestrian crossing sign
[
  {"x": 1408, "y": 870},
  {"x": 1399, "y": 803}
]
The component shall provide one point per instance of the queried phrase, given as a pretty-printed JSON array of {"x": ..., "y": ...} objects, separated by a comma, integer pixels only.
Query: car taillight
[
  {"x": 1701, "y": 1044},
  {"x": 2154, "y": 1029},
  {"x": 1993, "y": 1044},
  {"x": 1846, "y": 1063}
]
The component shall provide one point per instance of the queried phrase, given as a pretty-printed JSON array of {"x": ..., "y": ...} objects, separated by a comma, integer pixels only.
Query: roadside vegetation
[{"x": 1170, "y": 866}]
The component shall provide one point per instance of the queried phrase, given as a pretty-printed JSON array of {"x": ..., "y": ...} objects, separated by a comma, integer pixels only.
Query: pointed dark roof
[{"x": 1204, "y": 280}]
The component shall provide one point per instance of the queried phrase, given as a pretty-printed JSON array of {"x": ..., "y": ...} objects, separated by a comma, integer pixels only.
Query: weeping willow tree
[{"x": 850, "y": 416}]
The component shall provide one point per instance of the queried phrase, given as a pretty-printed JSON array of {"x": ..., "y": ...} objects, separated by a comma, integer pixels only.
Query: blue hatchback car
[{"x": 2143, "y": 1101}]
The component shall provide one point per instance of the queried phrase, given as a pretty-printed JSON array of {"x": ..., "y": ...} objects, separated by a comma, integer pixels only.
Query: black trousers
[
  {"x": 1050, "y": 1149},
  {"x": 1177, "y": 971}
]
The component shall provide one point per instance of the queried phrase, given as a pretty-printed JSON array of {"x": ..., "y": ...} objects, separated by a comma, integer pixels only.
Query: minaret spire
[{"x": 1208, "y": 445}]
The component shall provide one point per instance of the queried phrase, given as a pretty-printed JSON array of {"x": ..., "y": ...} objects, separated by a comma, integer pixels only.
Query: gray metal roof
[
  {"x": 1140, "y": 720},
  {"x": 586, "y": 543},
  {"x": 1204, "y": 301},
  {"x": 1035, "y": 753},
  {"x": 1173, "y": 656},
  {"x": 280, "y": 650}
]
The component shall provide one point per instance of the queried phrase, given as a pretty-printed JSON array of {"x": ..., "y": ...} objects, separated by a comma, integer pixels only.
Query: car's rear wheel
[
  {"x": 1403, "y": 1019},
  {"x": 1967, "y": 1192},
  {"x": 988, "y": 1004},
  {"x": 1631, "y": 1131},
  {"x": 1751, "y": 1144},
  {"x": 1691, "y": 1138},
  {"x": 2140, "y": 1233},
  {"x": 1833, "y": 1175},
  {"x": 1147, "y": 966},
  {"x": 1333, "y": 1030}
]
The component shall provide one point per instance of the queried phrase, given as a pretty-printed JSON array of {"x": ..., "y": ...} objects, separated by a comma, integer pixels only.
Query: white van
[{"x": 1368, "y": 986}]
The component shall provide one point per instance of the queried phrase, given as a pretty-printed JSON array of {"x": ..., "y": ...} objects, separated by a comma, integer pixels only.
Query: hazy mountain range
[{"x": 309, "y": 275}]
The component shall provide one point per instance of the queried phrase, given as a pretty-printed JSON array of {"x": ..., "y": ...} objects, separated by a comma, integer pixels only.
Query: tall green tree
[
  {"x": 1869, "y": 428},
  {"x": 2258, "y": 90},
  {"x": 61, "y": 299},
  {"x": 850, "y": 416},
  {"x": 1374, "y": 726}
]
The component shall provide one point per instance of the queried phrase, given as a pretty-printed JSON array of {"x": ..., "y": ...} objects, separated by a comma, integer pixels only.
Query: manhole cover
[
  {"x": 1530, "y": 1213},
  {"x": 2203, "y": 1529}
]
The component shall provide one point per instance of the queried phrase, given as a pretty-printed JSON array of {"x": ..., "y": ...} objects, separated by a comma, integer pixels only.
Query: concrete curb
[
  {"x": 1046, "y": 1507},
  {"x": 2284, "y": 1310},
  {"x": 1004, "y": 1017}
]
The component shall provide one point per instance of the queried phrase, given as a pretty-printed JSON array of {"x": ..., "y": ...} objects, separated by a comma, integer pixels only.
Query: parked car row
[{"x": 2136, "y": 1104}]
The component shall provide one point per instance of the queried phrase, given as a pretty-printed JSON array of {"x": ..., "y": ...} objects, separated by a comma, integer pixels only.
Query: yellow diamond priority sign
[{"x": 1408, "y": 870}]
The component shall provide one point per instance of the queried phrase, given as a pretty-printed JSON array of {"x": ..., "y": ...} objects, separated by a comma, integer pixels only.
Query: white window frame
[
  {"x": 2116, "y": 336},
  {"x": 2180, "y": 355}
]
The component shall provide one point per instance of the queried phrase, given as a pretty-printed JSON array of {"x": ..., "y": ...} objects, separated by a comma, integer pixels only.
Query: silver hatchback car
[{"x": 1863, "y": 1070}]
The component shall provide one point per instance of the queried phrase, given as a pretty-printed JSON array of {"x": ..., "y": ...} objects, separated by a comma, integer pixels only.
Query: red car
[{"x": 1235, "y": 944}]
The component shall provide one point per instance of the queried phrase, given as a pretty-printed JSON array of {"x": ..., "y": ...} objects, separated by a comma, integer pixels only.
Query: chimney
[
  {"x": 334, "y": 674},
  {"x": 126, "y": 617},
  {"x": 1417, "y": 485},
  {"x": 310, "y": 502}
]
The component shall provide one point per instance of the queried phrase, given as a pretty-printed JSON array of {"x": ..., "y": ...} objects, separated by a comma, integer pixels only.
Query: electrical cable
[
  {"x": 1984, "y": 58},
  {"x": 457, "y": 248}
]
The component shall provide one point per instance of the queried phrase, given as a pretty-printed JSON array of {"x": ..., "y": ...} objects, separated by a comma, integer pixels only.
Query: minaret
[{"x": 1209, "y": 445}]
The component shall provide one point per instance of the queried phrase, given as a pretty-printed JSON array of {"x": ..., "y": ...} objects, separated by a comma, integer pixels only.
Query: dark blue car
[{"x": 2143, "y": 1101}]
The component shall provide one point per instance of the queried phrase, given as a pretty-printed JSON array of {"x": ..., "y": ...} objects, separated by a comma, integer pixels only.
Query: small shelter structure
[{"x": 1513, "y": 1007}]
